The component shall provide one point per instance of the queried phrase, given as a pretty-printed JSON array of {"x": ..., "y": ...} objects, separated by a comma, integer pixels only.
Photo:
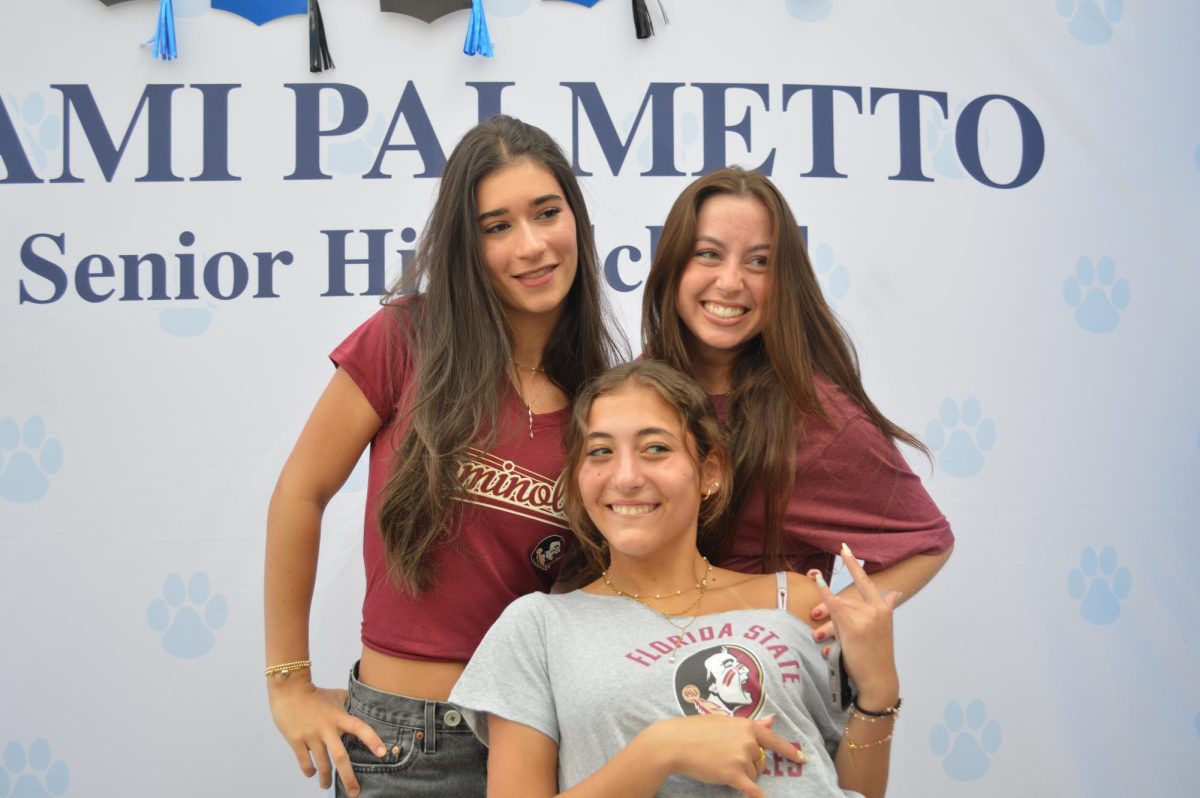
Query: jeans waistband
[{"x": 428, "y": 716}]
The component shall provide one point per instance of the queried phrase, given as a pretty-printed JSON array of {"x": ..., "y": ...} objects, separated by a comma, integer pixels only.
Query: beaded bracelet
[
  {"x": 892, "y": 712},
  {"x": 286, "y": 669}
]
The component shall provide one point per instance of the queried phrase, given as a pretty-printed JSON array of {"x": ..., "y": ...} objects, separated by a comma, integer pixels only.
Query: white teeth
[
  {"x": 631, "y": 509},
  {"x": 723, "y": 311}
]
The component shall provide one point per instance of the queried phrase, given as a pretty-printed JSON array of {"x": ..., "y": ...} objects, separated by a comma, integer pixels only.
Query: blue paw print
[
  {"x": 809, "y": 10},
  {"x": 1096, "y": 294},
  {"x": 41, "y": 133},
  {"x": 26, "y": 457},
  {"x": 1087, "y": 23},
  {"x": 1099, "y": 586},
  {"x": 960, "y": 453},
  {"x": 507, "y": 8},
  {"x": 357, "y": 155},
  {"x": 835, "y": 280},
  {"x": 186, "y": 321},
  {"x": 32, "y": 774},
  {"x": 966, "y": 752},
  {"x": 688, "y": 135},
  {"x": 186, "y": 634}
]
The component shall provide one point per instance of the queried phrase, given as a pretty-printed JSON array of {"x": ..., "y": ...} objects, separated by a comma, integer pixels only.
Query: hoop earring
[{"x": 711, "y": 489}]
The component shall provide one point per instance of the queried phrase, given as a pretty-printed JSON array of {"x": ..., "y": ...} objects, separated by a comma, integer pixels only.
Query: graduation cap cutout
[
  {"x": 478, "y": 42},
  {"x": 262, "y": 11}
]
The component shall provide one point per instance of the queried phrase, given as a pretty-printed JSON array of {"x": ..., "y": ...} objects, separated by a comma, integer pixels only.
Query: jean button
[{"x": 452, "y": 718}]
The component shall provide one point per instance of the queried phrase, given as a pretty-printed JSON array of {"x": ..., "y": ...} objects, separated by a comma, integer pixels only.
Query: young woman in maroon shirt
[
  {"x": 461, "y": 390},
  {"x": 732, "y": 299}
]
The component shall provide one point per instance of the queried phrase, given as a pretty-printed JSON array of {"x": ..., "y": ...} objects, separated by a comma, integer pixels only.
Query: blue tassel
[
  {"x": 164, "y": 36},
  {"x": 478, "y": 42}
]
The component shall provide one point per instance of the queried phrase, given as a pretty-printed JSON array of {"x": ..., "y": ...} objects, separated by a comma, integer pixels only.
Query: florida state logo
[
  {"x": 721, "y": 680},
  {"x": 547, "y": 552}
]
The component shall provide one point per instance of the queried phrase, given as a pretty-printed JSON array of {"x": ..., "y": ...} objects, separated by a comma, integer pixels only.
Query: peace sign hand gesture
[{"x": 864, "y": 625}]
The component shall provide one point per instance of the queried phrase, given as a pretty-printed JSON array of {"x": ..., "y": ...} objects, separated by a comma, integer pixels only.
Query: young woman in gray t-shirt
[{"x": 667, "y": 676}]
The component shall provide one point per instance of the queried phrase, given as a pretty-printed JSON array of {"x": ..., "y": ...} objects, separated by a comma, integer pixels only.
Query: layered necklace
[
  {"x": 700, "y": 587},
  {"x": 528, "y": 406}
]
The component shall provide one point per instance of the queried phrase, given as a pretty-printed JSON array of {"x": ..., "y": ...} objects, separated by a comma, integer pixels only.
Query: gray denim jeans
[{"x": 432, "y": 752}]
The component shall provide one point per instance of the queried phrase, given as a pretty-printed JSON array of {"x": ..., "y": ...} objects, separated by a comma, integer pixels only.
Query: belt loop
[{"x": 430, "y": 727}]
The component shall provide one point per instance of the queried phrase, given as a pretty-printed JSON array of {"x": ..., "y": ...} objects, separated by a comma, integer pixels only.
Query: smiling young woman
[
  {"x": 461, "y": 391},
  {"x": 666, "y": 674},
  {"x": 732, "y": 300}
]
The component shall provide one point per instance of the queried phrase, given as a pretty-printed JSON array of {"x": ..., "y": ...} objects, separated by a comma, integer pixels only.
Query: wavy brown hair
[
  {"x": 461, "y": 344},
  {"x": 682, "y": 394},
  {"x": 774, "y": 393}
]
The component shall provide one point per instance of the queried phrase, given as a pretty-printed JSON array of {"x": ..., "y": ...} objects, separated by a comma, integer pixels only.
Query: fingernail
[
  {"x": 381, "y": 752},
  {"x": 821, "y": 580},
  {"x": 801, "y": 757},
  {"x": 846, "y": 551},
  {"x": 818, "y": 636},
  {"x": 825, "y": 651},
  {"x": 816, "y": 613}
]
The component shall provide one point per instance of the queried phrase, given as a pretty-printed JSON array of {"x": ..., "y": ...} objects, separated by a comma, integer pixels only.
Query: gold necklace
[
  {"x": 638, "y": 596},
  {"x": 701, "y": 586},
  {"x": 520, "y": 393}
]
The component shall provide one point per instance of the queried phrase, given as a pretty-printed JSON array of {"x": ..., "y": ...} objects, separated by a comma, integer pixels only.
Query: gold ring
[{"x": 762, "y": 756}]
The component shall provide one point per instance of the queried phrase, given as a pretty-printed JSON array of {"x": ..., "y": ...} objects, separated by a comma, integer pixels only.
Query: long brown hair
[
  {"x": 461, "y": 344},
  {"x": 774, "y": 392},
  {"x": 682, "y": 394}
]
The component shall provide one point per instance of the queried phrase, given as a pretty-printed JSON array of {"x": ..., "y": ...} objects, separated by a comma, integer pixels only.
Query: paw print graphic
[
  {"x": 354, "y": 156},
  {"x": 32, "y": 774},
  {"x": 835, "y": 280},
  {"x": 1087, "y": 23},
  {"x": 40, "y": 132},
  {"x": 26, "y": 457},
  {"x": 809, "y": 10},
  {"x": 1096, "y": 294},
  {"x": 186, "y": 634},
  {"x": 965, "y": 741},
  {"x": 960, "y": 436},
  {"x": 1099, "y": 585},
  {"x": 186, "y": 321}
]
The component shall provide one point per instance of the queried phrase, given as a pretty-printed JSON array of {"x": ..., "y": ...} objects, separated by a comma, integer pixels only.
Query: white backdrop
[{"x": 1041, "y": 338}]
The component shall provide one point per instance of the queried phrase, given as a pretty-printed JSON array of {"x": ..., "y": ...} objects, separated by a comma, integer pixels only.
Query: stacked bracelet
[
  {"x": 892, "y": 712},
  {"x": 287, "y": 668}
]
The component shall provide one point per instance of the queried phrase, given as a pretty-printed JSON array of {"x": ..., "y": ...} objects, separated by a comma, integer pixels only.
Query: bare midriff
[{"x": 414, "y": 678}]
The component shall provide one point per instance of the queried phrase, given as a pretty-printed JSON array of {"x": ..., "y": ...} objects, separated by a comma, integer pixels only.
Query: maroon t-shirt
[
  {"x": 513, "y": 530},
  {"x": 852, "y": 486}
]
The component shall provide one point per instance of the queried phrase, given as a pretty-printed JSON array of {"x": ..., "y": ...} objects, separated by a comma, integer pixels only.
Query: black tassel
[
  {"x": 319, "y": 58},
  {"x": 641, "y": 20}
]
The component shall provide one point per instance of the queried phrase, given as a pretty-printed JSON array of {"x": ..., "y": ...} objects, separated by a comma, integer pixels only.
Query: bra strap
[{"x": 781, "y": 589}]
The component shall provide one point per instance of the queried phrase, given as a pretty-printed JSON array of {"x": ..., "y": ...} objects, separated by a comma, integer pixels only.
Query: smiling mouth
[
  {"x": 632, "y": 509},
  {"x": 724, "y": 311},
  {"x": 539, "y": 273}
]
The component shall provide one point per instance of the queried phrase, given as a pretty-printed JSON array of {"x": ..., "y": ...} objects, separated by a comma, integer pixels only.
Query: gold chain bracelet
[{"x": 286, "y": 669}]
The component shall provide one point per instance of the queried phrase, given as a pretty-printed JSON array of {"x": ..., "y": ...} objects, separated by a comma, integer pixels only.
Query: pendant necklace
[
  {"x": 528, "y": 406},
  {"x": 700, "y": 587}
]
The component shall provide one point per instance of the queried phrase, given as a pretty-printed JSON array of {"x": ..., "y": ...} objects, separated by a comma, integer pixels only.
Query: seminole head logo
[
  {"x": 547, "y": 552},
  {"x": 721, "y": 680}
]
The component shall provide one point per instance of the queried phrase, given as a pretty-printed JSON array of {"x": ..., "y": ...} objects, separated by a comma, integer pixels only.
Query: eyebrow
[
  {"x": 542, "y": 200},
  {"x": 640, "y": 433},
  {"x": 719, "y": 242}
]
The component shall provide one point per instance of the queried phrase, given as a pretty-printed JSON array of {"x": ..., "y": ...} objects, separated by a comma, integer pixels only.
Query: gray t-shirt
[{"x": 591, "y": 672}]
